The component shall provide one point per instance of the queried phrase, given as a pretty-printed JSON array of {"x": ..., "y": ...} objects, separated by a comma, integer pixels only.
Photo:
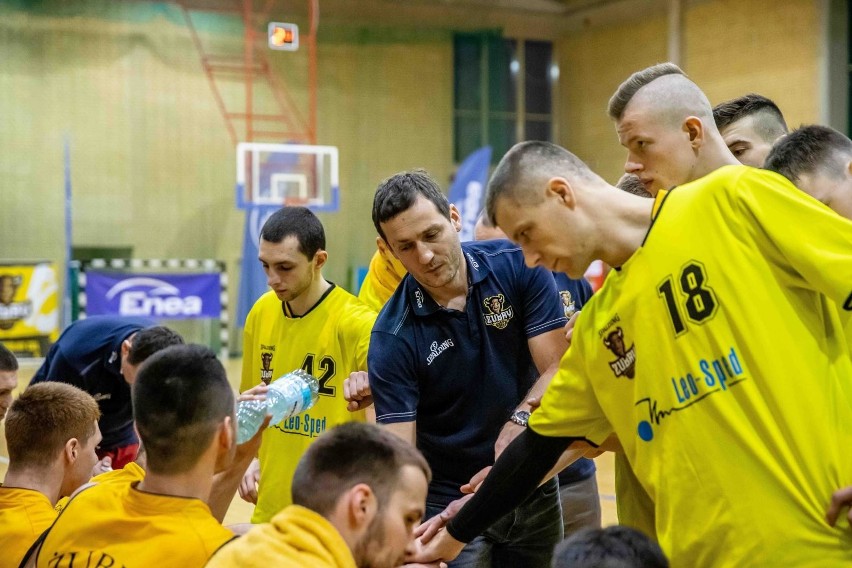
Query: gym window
[{"x": 502, "y": 92}]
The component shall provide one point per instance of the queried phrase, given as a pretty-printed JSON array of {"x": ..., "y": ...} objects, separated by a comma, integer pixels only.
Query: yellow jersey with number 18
[
  {"x": 329, "y": 341},
  {"x": 717, "y": 360}
]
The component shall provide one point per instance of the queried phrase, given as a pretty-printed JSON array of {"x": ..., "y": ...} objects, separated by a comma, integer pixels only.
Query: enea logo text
[{"x": 152, "y": 297}]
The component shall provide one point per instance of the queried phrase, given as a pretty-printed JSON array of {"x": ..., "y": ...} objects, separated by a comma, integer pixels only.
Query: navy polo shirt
[
  {"x": 573, "y": 294},
  {"x": 88, "y": 356},
  {"x": 461, "y": 374}
]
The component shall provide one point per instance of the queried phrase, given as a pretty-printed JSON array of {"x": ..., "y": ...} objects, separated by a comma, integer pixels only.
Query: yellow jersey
[
  {"x": 330, "y": 341},
  {"x": 715, "y": 357},
  {"x": 24, "y": 515},
  {"x": 383, "y": 276},
  {"x": 295, "y": 538},
  {"x": 129, "y": 473},
  {"x": 115, "y": 524}
]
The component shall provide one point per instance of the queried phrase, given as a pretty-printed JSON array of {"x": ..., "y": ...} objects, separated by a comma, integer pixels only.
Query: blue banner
[
  {"x": 252, "y": 277},
  {"x": 166, "y": 296},
  {"x": 468, "y": 189}
]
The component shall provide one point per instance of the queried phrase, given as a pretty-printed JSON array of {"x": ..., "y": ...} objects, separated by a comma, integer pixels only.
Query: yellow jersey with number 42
[{"x": 329, "y": 341}]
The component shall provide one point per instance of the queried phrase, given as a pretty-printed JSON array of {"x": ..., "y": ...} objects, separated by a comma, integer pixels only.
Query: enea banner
[
  {"x": 29, "y": 307},
  {"x": 167, "y": 296}
]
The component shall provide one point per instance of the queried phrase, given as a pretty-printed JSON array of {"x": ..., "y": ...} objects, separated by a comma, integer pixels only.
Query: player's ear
[
  {"x": 382, "y": 245},
  {"x": 361, "y": 505},
  {"x": 320, "y": 258},
  {"x": 694, "y": 128},
  {"x": 561, "y": 188},
  {"x": 71, "y": 450},
  {"x": 226, "y": 433},
  {"x": 455, "y": 218},
  {"x": 125, "y": 347}
]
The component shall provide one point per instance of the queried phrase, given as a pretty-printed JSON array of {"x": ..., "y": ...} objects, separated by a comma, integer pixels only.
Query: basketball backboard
[{"x": 287, "y": 174}]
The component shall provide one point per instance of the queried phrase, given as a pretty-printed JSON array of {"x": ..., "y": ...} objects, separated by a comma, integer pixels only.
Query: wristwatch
[{"x": 520, "y": 417}]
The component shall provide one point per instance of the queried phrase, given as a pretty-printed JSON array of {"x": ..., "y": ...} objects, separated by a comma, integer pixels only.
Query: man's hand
[
  {"x": 441, "y": 548},
  {"x": 356, "y": 390},
  {"x": 248, "y": 486},
  {"x": 569, "y": 327},
  {"x": 102, "y": 466},
  {"x": 839, "y": 499},
  {"x": 428, "y": 529},
  {"x": 509, "y": 432},
  {"x": 475, "y": 481}
]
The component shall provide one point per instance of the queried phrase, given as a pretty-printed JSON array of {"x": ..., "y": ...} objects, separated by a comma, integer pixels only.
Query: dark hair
[
  {"x": 299, "y": 222},
  {"x": 632, "y": 184},
  {"x": 612, "y": 547},
  {"x": 8, "y": 361},
  {"x": 43, "y": 418},
  {"x": 148, "y": 341},
  {"x": 349, "y": 454},
  {"x": 399, "y": 192},
  {"x": 180, "y": 397},
  {"x": 625, "y": 92},
  {"x": 515, "y": 175},
  {"x": 734, "y": 110},
  {"x": 808, "y": 150}
]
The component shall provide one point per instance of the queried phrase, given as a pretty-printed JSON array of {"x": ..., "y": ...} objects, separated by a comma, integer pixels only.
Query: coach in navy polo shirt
[
  {"x": 456, "y": 352},
  {"x": 100, "y": 355}
]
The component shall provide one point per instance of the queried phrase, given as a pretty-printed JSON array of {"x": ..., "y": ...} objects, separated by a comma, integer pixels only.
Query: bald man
[
  {"x": 666, "y": 123},
  {"x": 750, "y": 125},
  {"x": 737, "y": 429}
]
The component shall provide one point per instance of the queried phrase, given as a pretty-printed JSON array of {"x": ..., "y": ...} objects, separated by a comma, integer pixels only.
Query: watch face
[{"x": 521, "y": 417}]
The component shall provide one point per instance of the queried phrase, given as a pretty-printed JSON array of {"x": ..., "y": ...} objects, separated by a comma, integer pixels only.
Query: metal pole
[{"x": 675, "y": 36}]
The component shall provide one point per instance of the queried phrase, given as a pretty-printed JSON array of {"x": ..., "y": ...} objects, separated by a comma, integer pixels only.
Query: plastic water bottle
[{"x": 291, "y": 394}]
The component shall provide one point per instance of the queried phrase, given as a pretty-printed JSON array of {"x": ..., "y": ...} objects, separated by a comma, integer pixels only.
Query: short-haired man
[
  {"x": 358, "y": 493},
  {"x": 724, "y": 441},
  {"x": 184, "y": 410},
  {"x": 8, "y": 378},
  {"x": 666, "y": 124},
  {"x": 612, "y": 547},
  {"x": 303, "y": 322},
  {"x": 101, "y": 355},
  {"x": 51, "y": 435},
  {"x": 818, "y": 160},
  {"x": 750, "y": 125},
  {"x": 454, "y": 353},
  {"x": 578, "y": 486}
]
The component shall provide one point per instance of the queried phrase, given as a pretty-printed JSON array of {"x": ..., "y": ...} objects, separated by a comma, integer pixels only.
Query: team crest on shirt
[
  {"x": 497, "y": 313},
  {"x": 625, "y": 364},
  {"x": 266, "y": 366},
  {"x": 568, "y": 304}
]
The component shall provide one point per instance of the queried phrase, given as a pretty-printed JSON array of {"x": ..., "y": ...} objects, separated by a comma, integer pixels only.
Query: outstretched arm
[{"x": 514, "y": 477}]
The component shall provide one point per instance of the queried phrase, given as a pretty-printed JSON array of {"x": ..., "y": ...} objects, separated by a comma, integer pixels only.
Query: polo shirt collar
[{"x": 422, "y": 303}]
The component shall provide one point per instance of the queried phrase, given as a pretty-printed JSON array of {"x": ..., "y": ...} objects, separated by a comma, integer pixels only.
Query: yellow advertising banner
[{"x": 29, "y": 307}]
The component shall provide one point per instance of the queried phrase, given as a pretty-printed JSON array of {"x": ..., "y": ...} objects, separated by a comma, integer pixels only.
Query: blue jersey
[
  {"x": 461, "y": 374},
  {"x": 573, "y": 294},
  {"x": 88, "y": 356}
]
